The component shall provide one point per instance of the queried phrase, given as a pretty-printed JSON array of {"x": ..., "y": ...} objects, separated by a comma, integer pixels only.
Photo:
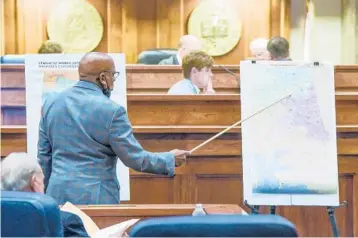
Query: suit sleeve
[
  {"x": 72, "y": 225},
  {"x": 44, "y": 153},
  {"x": 131, "y": 153}
]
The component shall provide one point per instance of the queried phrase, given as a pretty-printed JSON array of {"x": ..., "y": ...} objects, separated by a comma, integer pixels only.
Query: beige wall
[
  {"x": 297, "y": 29},
  {"x": 349, "y": 34},
  {"x": 334, "y": 31}
]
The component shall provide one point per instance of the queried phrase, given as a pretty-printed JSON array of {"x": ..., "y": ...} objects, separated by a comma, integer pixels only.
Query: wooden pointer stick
[{"x": 237, "y": 123}]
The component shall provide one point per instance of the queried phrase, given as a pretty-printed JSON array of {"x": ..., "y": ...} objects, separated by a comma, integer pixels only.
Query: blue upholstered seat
[
  {"x": 13, "y": 59},
  {"x": 215, "y": 226},
  {"x": 26, "y": 214}
]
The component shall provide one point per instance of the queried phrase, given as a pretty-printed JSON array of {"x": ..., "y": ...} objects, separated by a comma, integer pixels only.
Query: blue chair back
[
  {"x": 13, "y": 59},
  {"x": 215, "y": 226},
  {"x": 26, "y": 214},
  {"x": 154, "y": 56}
]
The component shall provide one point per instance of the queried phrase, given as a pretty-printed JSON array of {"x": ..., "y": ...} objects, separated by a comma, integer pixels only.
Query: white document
[
  {"x": 51, "y": 73},
  {"x": 117, "y": 230},
  {"x": 289, "y": 151}
]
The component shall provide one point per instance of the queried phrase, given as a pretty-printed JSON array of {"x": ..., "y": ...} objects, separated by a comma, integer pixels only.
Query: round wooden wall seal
[
  {"x": 217, "y": 24},
  {"x": 76, "y": 25}
]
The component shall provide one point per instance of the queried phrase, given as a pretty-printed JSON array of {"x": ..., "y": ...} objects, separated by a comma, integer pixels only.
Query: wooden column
[{"x": 2, "y": 28}]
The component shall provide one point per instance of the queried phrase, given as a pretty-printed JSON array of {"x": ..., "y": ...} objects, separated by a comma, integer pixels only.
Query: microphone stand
[{"x": 233, "y": 74}]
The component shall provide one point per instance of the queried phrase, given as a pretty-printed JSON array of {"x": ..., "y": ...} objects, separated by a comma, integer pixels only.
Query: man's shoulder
[
  {"x": 180, "y": 88},
  {"x": 72, "y": 225},
  {"x": 91, "y": 103},
  {"x": 68, "y": 216}
]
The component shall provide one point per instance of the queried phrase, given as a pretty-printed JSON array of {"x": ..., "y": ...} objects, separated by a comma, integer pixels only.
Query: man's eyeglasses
[{"x": 115, "y": 74}]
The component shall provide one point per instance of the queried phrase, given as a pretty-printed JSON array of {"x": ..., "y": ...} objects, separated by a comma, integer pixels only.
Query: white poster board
[
  {"x": 47, "y": 73},
  {"x": 289, "y": 151}
]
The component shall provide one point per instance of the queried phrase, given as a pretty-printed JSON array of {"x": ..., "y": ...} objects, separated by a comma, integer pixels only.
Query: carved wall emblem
[
  {"x": 217, "y": 24},
  {"x": 76, "y": 25}
]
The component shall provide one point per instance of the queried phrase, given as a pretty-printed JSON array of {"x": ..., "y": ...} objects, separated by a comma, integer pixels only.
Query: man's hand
[
  {"x": 180, "y": 156},
  {"x": 209, "y": 89}
]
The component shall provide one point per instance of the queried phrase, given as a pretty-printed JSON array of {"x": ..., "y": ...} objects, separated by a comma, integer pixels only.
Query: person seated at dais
[
  {"x": 258, "y": 48},
  {"x": 50, "y": 47},
  {"x": 187, "y": 44},
  {"x": 197, "y": 75},
  {"x": 279, "y": 49}
]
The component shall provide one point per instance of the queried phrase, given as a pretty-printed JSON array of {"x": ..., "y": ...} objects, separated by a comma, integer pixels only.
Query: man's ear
[
  {"x": 33, "y": 183},
  {"x": 36, "y": 185},
  {"x": 102, "y": 79}
]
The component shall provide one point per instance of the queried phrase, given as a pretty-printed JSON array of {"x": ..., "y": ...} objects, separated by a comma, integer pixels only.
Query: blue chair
[
  {"x": 13, "y": 59},
  {"x": 154, "y": 56},
  {"x": 26, "y": 214},
  {"x": 215, "y": 226}
]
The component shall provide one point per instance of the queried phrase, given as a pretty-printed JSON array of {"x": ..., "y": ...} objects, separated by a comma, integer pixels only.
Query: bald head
[
  {"x": 98, "y": 68},
  {"x": 187, "y": 44},
  {"x": 258, "y": 48},
  {"x": 94, "y": 63}
]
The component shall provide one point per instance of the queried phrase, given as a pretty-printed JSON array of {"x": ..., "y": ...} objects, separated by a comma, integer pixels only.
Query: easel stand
[
  {"x": 330, "y": 210},
  {"x": 273, "y": 210},
  {"x": 254, "y": 209},
  {"x": 332, "y": 218}
]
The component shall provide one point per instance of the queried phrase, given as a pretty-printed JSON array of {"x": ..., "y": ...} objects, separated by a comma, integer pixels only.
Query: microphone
[{"x": 232, "y": 73}]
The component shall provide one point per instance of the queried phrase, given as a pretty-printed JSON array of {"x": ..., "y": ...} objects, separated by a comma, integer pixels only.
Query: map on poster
[
  {"x": 289, "y": 150},
  {"x": 48, "y": 74}
]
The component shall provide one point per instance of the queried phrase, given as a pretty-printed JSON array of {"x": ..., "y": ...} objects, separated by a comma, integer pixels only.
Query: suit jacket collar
[{"x": 88, "y": 85}]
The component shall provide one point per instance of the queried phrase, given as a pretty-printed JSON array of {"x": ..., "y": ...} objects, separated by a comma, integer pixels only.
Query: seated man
[
  {"x": 258, "y": 48},
  {"x": 22, "y": 173},
  {"x": 50, "y": 47},
  {"x": 197, "y": 75},
  {"x": 187, "y": 44},
  {"x": 279, "y": 49}
]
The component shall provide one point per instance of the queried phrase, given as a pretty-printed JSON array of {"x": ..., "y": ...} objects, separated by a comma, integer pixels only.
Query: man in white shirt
[
  {"x": 187, "y": 44},
  {"x": 197, "y": 75}
]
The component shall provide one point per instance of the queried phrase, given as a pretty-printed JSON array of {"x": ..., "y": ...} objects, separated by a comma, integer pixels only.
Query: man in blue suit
[{"x": 82, "y": 132}]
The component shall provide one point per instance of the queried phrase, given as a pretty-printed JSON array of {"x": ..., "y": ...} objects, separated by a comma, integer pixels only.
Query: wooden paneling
[
  {"x": 105, "y": 216},
  {"x": 131, "y": 26},
  {"x": 208, "y": 188},
  {"x": 2, "y": 27},
  {"x": 147, "y": 79},
  {"x": 161, "y": 189},
  {"x": 355, "y": 206}
]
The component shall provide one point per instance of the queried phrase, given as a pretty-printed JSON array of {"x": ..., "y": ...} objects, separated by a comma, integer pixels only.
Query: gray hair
[
  {"x": 187, "y": 40},
  {"x": 278, "y": 47},
  {"x": 17, "y": 170}
]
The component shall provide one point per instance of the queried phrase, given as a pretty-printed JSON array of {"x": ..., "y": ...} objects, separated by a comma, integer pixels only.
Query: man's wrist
[{"x": 171, "y": 163}]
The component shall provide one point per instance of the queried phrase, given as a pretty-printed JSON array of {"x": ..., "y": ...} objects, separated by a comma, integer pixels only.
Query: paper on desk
[
  {"x": 118, "y": 230},
  {"x": 88, "y": 223}
]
